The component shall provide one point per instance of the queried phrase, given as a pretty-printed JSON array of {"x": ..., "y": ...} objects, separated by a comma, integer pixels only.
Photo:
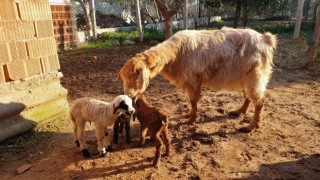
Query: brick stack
[
  {"x": 63, "y": 26},
  {"x": 27, "y": 43}
]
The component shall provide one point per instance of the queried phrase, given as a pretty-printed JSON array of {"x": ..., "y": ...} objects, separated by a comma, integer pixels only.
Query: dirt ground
[{"x": 286, "y": 146}]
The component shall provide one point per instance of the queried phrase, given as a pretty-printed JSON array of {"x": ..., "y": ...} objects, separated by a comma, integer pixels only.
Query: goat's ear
[
  {"x": 114, "y": 109},
  {"x": 143, "y": 79},
  {"x": 118, "y": 77},
  {"x": 134, "y": 116}
]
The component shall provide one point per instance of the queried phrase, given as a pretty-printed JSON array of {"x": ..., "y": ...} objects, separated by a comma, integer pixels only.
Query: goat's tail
[{"x": 270, "y": 39}]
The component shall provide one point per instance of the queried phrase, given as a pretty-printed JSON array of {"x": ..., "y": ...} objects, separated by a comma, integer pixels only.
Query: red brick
[
  {"x": 9, "y": 10},
  {"x": 2, "y": 77},
  {"x": 33, "y": 66},
  {"x": 16, "y": 70},
  {"x": 5, "y": 52},
  {"x": 44, "y": 28}
]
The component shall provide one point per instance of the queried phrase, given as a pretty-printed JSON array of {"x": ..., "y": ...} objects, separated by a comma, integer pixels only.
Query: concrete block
[
  {"x": 5, "y": 52},
  {"x": 13, "y": 51},
  {"x": 16, "y": 70},
  {"x": 33, "y": 66},
  {"x": 44, "y": 28},
  {"x": 22, "y": 50},
  {"x": 9, "y": 10},
  {"x": 2, "y": 77}
]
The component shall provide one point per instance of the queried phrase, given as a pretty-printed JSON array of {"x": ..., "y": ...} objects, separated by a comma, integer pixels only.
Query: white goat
[{"x": 102, "y": 114}]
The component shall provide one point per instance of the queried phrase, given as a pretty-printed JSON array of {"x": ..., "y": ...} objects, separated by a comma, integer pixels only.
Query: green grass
[
  {"x": 97, "y": 44},
  {"x": 148, "y": 34}
]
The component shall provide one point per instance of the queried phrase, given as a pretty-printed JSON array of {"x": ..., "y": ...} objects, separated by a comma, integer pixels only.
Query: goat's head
[
  {"x": 122, "y": 104},
  {"x": 135, "y": 76}
]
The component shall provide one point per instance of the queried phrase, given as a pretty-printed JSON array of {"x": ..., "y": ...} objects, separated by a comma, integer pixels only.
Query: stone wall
[{"x": 29, "y": 79}]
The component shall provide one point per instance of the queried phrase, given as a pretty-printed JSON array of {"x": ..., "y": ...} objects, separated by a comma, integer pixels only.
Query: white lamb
[{"x": 102, "y": 114}]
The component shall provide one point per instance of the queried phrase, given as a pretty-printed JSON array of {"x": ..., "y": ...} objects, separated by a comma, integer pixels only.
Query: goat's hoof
[
  {"x": 109, "y": 149},
  {"x": 245, "y": 129},
  {"x": 192, "y": 120},
  {"x": 103, "y": 154},
  {"x": 156, "y": 165},
  {"x": 85, "y": 153},
  {"x": 234, "y": 113},
  {"x": 77, "y": 143}
]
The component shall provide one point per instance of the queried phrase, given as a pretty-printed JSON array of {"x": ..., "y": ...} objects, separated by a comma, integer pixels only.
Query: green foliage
[
  {"x": 97, "y": 44},
  {"x": 276, "y": 29}
]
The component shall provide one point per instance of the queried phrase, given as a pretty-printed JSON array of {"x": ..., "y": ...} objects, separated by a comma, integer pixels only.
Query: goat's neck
[{"x": 158, "y": 57}]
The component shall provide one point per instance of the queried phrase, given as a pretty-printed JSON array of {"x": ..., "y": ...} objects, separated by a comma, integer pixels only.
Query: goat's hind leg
[
  {"x": 158, "y": 144},
  {"x": 167, "y": 140},
  {"x": 194, "y": 95},
  {"x": 243, "y": 109},
  {"x": 79, "y": 130},
  {"x": 256, "y": 118}
]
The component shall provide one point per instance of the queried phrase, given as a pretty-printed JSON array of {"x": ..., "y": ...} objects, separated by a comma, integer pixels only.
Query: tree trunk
[
  {"x": 237, "y": 14},
  {"x": 298, "y": 19},
  {"x": 93, "y": 19},
  {"x": 245, "y": 11},
  {"x": 312, "y": 54},
  {"x": 85, "y": 7},
  {"x": 167, "y": 15},
  {"x": 306, "y": 8},
  {"x": 185, "y": 16},
  {"x": 168, "y": 30},
  {"x": 139, "y": 20}
]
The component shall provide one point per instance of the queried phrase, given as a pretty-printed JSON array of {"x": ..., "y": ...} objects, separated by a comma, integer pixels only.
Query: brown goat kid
[{"x": 157, "y": 122}]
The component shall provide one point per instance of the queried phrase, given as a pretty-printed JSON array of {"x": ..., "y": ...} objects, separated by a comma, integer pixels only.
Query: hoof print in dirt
[{"x": 85, "y": 153}]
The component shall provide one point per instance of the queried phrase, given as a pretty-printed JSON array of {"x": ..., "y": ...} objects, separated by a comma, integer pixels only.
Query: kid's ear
[
  {"x": 118, "y": 77},
  {"x": 114, "y": 109}
]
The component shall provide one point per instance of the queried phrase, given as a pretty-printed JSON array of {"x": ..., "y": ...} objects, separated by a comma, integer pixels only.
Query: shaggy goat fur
[
  {"x": 122, "y": 122},
  {"x": 102, "y": 114},
  {"x": 220, "y": 59},
  {"x": 156, "y": 122}
]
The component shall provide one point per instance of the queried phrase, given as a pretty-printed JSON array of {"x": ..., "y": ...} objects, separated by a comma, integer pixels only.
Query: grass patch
[
  {"x": 97, "y": 44},
  {"x": 148, "y": 35}
]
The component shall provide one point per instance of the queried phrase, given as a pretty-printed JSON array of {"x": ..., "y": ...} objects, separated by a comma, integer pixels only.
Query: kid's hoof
[
  {"x": 109, "y": 149},
  {"x": 192, "y": 120},
  {"x": 115, "y": 141},
  {"x": 85, "y": 153},
  {"x": 103, "y": 154},
  {"x": 77, "y": 143},
  {"x": 128, "y": 141}
]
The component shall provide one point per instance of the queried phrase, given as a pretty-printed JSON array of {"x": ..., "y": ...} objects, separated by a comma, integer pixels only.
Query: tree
[
  {"x": 85, "y": 7},
  {"x": 168, "y": 13},
  {"x": 298, "y": 19},
  {"x": 313, "y": 49}
]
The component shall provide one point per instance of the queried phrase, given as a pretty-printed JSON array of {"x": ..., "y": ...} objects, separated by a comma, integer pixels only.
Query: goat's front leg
[
  {"x": 100, "y": 134},
  {"x": 127, "y": 127},
  {"x": 107, "y": 143},
  {"x": 116, "y": 131},
  {"x": 143, "y": 135}
]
